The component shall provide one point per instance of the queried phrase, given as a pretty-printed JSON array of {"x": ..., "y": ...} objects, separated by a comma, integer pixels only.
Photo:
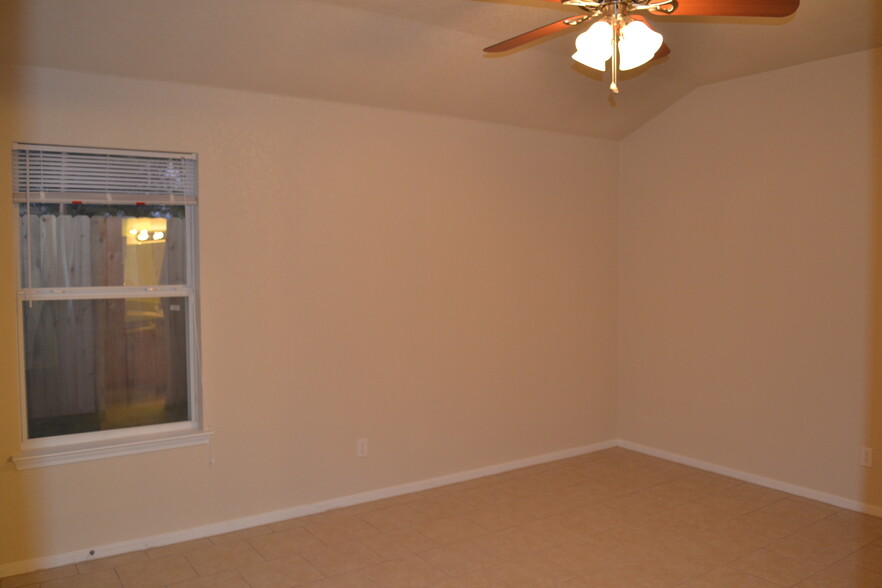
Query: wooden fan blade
[
  {"x": 554, "y": 27},
  {"x": 732, "y": 8}
]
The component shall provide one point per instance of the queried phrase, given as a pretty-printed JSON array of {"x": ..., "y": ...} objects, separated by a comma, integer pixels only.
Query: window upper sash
[{"x": 58, "y": 175}]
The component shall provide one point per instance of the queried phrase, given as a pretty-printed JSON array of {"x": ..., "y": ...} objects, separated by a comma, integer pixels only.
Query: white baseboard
[
  {"x": 754, "y": 479},
  {"x": 52, "y": 561}
]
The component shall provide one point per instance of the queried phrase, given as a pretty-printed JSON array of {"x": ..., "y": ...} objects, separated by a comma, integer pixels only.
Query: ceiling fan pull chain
[{"x": 614, "y": 87}]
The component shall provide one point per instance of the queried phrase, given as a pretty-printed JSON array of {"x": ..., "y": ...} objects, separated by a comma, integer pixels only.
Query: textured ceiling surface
[{"x": 420, "y": 55}]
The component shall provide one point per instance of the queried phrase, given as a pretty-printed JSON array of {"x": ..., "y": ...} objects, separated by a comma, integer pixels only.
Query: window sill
[{"x": 50, "y": 456}]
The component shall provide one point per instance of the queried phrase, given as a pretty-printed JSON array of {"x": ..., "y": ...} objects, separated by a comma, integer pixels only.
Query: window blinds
[{"x": 53, "y": 174}]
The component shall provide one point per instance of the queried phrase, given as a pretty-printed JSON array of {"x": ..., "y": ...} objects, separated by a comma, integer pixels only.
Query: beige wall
[
  {"x": 444, "y": 288},
  {"x": 745, "y": 276}
]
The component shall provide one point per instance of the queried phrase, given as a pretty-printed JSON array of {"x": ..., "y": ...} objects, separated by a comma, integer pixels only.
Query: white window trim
[
  {"x": 126, "y": 445},
  {"x": 66, "y": 449}
]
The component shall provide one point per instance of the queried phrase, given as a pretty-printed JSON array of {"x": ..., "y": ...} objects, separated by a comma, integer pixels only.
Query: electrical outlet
[
  {"x": 361, "y": 447},
  {"x": 867, "y": 457}
]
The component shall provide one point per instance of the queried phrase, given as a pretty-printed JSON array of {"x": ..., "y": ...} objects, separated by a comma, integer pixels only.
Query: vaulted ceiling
[{"x": 420, "y": 55}]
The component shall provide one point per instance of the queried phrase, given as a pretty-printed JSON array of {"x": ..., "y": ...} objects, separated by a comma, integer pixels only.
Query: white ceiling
[{"x": 420, "y": 55}]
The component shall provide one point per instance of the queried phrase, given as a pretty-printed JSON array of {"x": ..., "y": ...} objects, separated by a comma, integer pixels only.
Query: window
[{"x": 107, "y": 302}]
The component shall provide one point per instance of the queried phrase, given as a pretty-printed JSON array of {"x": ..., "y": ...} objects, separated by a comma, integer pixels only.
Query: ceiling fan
[{"x": 620, "y": 33}]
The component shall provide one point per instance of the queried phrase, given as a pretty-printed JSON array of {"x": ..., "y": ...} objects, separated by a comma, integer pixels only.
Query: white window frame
[{"x": 62, "y": 449}]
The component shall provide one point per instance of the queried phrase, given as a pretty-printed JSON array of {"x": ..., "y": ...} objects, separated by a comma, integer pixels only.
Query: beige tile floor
[{"x": 609, "y": 519}]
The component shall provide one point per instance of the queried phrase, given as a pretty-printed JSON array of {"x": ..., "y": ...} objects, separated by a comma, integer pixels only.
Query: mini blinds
[{"x": 53, "y": 174}]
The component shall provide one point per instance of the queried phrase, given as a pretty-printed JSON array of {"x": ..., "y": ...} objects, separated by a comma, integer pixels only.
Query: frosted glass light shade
[
  {"x": 594, "y": 47},
  {"x": 637, "y": 45}
]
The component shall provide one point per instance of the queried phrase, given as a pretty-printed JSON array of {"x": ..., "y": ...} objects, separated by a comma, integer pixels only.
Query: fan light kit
[{"x": 619, "y": 33}]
